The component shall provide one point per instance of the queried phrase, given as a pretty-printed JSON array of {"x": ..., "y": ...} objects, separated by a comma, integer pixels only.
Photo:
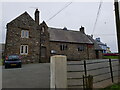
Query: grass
[
  {"x": 111, "y": 57},
  {"x": 115, "y": 86}
]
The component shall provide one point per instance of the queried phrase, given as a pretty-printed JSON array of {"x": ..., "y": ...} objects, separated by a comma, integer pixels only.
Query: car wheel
[
  {"x": 20, "y": 66},
  {"x": 6, "y": 66}
]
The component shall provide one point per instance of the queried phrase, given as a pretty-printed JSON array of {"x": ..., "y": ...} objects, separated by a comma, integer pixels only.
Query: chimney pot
[{"x": 82, "y": 30}]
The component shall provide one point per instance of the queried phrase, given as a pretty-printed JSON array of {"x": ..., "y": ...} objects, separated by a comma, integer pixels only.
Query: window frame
[
  {"x": 24, "y": 49},
  {"x": 24, "y": 34},
  {"x": 63, "y": 47},
  {"x": 81, "y": 48}
]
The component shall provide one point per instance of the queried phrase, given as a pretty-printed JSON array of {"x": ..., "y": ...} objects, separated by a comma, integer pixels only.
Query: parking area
[{"x": 29, "y": 76}]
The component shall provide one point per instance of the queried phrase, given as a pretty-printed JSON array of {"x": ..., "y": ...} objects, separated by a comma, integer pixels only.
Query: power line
[
  {"x": 59, "y": 11},
  {"x": 97, "y": 16}
]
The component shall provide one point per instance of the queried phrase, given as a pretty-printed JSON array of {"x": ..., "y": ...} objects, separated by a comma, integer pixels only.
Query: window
[
  {"x": 43, "y": 29},
  {"x": 25, "y": 34},
  {"x": 81, "y": 48},
  {"x": 63, "y": 47},
  {"x": 22, "y": 33},
  {"x": 24, "y": 49}
]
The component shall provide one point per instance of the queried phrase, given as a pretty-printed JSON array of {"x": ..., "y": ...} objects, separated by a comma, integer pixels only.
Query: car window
[{"x": 13, "y": 57}]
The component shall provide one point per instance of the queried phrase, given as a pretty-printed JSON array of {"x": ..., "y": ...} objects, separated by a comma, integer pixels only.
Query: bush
[{"x": 111, "y": 54}]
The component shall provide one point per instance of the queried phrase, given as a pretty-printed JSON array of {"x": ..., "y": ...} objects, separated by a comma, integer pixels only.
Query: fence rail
[{"x": 106, "y": 67}]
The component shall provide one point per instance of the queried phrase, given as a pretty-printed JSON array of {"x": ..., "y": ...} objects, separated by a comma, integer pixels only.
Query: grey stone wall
[
  {"x": 44, "y": 42},
  {"x": 72, "y": 52},
  {"x": 14, "y": 40}
]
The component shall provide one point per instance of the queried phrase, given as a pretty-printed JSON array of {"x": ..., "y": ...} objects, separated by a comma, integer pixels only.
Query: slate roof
[
  {"x": 100, "y": 43},
  {"x": 97, "y": 47},
  {"x": 61, "y": 35},
  {"x": 22, "y": 19}
]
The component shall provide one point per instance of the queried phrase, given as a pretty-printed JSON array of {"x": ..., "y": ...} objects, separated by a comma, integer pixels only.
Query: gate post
[
  {"x": 88, "y": 82},
  {"x": 58, "y": 70}
]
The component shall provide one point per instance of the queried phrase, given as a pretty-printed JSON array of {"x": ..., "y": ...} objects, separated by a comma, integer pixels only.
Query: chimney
[
  {"x": 82, "y": 30},
  {"x": 64, "y": 28},
  {"x": 98, "y": 39},
  {"x": 37, "y": 16},
  {"x": 91, "y": 36}
]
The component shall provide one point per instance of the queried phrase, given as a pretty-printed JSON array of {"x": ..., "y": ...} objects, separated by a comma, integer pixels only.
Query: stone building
[
  {"x": 36, "y": 42},
  {"x": 97, "y": 48},
  {"x": 104, "y": 46}
]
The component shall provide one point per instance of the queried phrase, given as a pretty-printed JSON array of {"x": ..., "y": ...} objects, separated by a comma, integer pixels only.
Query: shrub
[{"x": 111, "y": 54}]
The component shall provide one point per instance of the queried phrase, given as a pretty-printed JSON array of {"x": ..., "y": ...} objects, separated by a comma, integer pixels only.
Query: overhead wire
[
  {"x": 59, "y": 11},
  {"x": 98, "y": 13}
]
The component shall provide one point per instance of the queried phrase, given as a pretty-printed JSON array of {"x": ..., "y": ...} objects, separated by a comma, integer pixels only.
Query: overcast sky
[{"x": 72, "y": 17}]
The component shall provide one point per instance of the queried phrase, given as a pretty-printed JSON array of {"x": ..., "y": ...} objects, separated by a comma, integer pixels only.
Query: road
[
  {"x": 38, "y": 75},
  {"x": 29, "y": 76}
]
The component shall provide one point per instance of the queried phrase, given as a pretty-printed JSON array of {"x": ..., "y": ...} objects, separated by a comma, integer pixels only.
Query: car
[{"x": 13, "y": 61}]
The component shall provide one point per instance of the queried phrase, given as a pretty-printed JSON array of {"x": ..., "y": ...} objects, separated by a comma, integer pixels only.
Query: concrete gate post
[{"x": 58, "y": 70}]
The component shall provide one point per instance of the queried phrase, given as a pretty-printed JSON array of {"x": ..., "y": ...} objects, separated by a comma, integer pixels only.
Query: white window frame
[
  {"x": 24, "y": 34},
  {"x": 24, "y": 49}
]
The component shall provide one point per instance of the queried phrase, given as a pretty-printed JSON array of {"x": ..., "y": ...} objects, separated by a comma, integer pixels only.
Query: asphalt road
[
  {"x": 29, "y": 76},
  {"x": 38, "y": 75}
]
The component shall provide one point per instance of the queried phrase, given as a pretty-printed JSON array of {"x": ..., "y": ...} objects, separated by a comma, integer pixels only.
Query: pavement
[{"x": 29, "y": 76}]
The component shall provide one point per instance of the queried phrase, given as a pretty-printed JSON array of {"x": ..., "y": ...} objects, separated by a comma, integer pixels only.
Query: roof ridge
[{"x": 64, "y": 30}]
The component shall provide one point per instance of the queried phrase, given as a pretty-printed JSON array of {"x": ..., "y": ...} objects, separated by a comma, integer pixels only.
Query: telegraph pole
[{"x": 117, "y": 17}]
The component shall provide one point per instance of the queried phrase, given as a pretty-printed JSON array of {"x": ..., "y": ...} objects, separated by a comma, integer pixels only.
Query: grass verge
[
  {"x": 114, "y": 86},
  {"x": 111, "y": 57}
]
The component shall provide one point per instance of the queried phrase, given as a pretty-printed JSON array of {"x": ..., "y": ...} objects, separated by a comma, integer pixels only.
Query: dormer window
[{"x": 24, "y": 34}]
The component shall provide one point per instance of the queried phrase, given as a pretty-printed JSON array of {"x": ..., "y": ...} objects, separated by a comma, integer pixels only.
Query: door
[
  {"x": 43, "y": 52},
  {"x": 97, "y": 54}
]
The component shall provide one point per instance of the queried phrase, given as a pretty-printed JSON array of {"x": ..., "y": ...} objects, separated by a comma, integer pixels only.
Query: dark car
[{"x": 13, "y": 61}]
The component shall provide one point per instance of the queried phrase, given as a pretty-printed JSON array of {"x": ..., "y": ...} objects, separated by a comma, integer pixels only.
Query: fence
[{"x": 104, "y": 72}]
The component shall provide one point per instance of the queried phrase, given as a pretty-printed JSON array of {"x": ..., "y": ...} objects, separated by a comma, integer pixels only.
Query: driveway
[{"x": 29, "y": 76}]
